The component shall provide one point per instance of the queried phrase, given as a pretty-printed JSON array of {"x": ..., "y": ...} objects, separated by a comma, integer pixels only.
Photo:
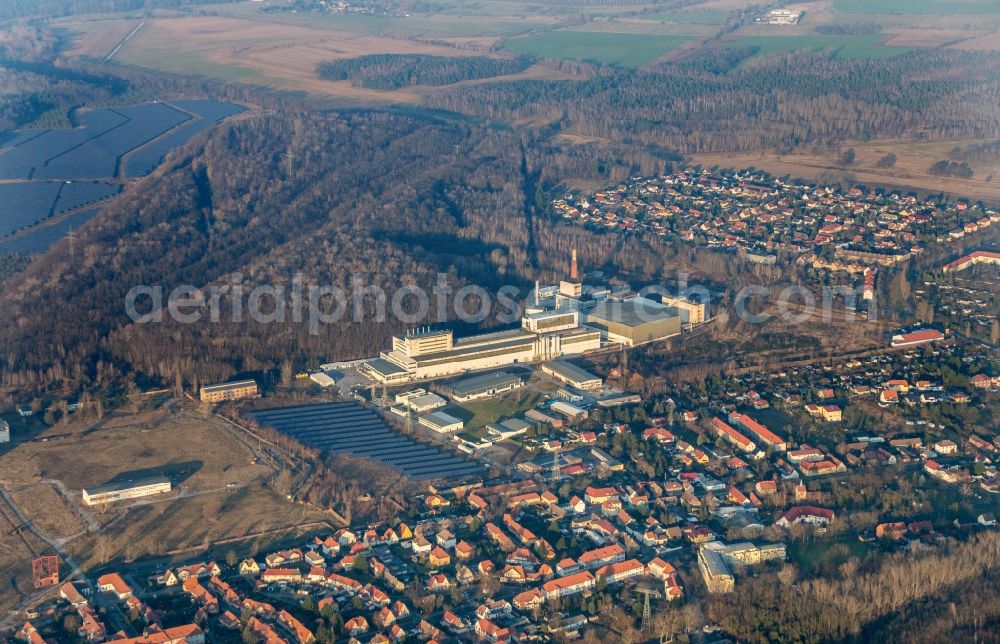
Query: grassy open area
[
  {"x": 691, "y": 17},
  {"x": 17, "y": 548},
  {"x": 49, "y": 511},
  {"x": 917, "y": 7},
  {"x": 910, "y": 171},
  {"x": 868, "y": 46},
  {"x": 192, "y": 522},
  {"x": 609, "y": 48},
  {"x": 282, "y": 50},
  {"x": 479, "y": 413},
  {"x": 455, "y": 22},
  {"x": 811, "y": 556}
]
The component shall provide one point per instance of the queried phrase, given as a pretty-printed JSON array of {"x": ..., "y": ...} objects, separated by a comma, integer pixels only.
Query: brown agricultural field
[
  {"x": 98, "y": 37},
  {"x": 929, "y": 37},
  {"x": 985, "y": 42},
  {"x": 265, "y": 52}
]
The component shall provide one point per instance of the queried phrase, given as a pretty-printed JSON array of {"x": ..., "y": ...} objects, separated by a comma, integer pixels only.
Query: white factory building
[
  {"x": 426, "y": 353},
  {"x": 568, "y": 319}
]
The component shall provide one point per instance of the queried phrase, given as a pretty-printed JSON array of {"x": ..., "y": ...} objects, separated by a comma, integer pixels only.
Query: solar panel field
[
  {"x": 97, "y": 157},
  {"x": 149, "y": 157},
  {"x": 347, "y": 428},
  {"x": 56, "y": 171},
  {"x": 26, "y": 154},
  {"x": 26, "y": 204},
  {"x": 77, "y": 195},
  {"x": 40, "y": 238}
]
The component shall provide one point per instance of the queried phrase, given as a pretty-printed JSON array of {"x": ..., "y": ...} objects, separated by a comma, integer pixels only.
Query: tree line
[
  {"x": 779, "y": 102},
  {"x": 870, "y": 604},
  {"x": 392, "y": 71}
]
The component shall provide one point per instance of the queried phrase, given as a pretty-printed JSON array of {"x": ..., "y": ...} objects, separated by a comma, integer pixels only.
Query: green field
[
  {"x": 443, "y": 25},
  {"x": 868, "y": 46},
  {"x": 812, "y": 556},
  {"x": 480, "y": 413},
  {"x": 620, "y": 49},
  {"x": 693, "y": 17},
  {"x": 918, "y": 7}
]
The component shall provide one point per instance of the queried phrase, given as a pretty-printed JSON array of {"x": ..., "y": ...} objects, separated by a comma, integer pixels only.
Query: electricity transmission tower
[{"x": 647, "y": 591}]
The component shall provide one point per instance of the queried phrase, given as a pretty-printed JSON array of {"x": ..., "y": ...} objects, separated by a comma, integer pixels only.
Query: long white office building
[
  {"x": 429, "y": 354},
  {"x": 121, "y": 491}
]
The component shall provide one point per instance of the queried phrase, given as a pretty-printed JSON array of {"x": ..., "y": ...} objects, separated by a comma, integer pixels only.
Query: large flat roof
[
  {"x": 484, "y": 381},
  {"x": 384, "y": 367},
  {"x": 441, "y": 419},
  {"x": 570, "y": 371},
  {"x": 118, "y": 486},
  {"x": 521, "y": 342},
  {"x": 225, "y": 386},
  {"x": 633, "y": 311}
]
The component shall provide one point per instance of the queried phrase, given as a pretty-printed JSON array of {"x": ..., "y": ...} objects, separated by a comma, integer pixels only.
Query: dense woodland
[
  {"x": 946, "y": 596},
  {"x": 392, "y": 199},
  {"x": 774, "y": 103},
  {"x": 392, "y": 71}
]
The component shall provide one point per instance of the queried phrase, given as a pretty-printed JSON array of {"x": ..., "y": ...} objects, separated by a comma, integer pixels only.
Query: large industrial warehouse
[
  {"x": 634, "y": 320},
  {"x": 572, "y": 374}
]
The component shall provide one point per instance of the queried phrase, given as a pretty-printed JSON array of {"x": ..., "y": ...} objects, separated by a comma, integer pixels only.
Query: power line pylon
[{"x": 647, "y": 591}]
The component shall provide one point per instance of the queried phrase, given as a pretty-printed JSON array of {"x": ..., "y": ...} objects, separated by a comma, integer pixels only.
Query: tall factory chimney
[{"x": 573, "y": 272}]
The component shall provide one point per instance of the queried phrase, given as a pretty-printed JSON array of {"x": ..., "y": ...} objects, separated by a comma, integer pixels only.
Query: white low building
[
  {"x": 420, "y": 401},
  {"x": 111, "y": 492},
  {"x": 442, "y": 423},
  {"x": 322, "y": 379}
]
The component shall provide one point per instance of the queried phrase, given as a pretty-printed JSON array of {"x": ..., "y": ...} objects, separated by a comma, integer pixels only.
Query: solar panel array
[
  {"x": 25, "y": 204},
  {"x": 348, "y": 428},
  {"x": 42, "y": 159},
  {"x": 40, "y": 238},
  {"x": 27, "y": 153},
  {"x": 148, "y": 158},
  {"x": 26, "y": 207},
  {"x": 97, "y": 157}
]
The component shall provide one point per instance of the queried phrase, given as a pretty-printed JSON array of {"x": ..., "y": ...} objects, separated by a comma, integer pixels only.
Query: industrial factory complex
[{"x": 567, "y": 319}]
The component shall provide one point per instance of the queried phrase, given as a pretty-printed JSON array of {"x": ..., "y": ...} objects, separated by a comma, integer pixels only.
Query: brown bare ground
[
  {"x": 199, "y": 452},
  {"x": 191, "y": 522},
  {"x": 283, "y": 56},
  {"x": 17, "y": 548},
  {"x": 910, "y": 171},
  {"x": 48, "y": 510},
  {"x": 96, "y": 38},
  {"x": 928, "y": 37},
  {"x": 986, "y": 42},
  {"x": 199, "y": 449}
]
